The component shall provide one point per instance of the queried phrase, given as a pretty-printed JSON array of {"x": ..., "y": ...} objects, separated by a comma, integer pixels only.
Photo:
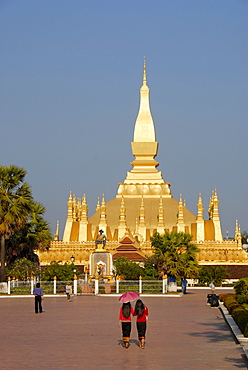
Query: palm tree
[
  {"x": 15, "y": 205},
  {"x": 176, "y": 254},
  {"x": 35, "y": 234}
]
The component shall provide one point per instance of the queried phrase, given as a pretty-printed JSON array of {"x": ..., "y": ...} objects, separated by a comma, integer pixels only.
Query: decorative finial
[{"x": 144, "y": 73}]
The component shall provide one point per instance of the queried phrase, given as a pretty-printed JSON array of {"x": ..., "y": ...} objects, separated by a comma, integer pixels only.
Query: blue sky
[{"x": 70, "y": 78}]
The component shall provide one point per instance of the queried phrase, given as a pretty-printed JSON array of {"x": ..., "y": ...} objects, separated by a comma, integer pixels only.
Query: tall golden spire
[
  {"x": 144, "y": 72},
  {"x": 144, "y": 178},
  {"x": 144, "y": 130}
]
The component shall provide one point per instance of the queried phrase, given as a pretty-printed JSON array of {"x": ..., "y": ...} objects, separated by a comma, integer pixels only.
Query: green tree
[
  {"x": 152, "y": 266},
  {"x": 64, "y": 272},
  {"x": 175, "y": 254},
  {"x": 126, "y": 269},
  {"x": 15, "y": 205},
  {"x": 23, "y": 269},
  {"x": 215, "y": 274},
  {"x": 35, "y": 234}
]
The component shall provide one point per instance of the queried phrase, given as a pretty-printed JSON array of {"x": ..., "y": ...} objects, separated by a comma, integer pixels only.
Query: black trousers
[
  {"x": 141, "y": 328},
  {"x": 126, "y": 330},
  {"x": 37, "y": 304}
]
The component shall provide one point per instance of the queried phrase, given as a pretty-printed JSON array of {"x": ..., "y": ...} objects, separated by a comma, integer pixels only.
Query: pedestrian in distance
[
  {"x": 212, "y": 287},
  {"x": 125, "y": 322},
  {"x": 184, "y": 283},
  {"x": 68, "y": 291},
  {"x": 38, "y": 297},
  {"x": 141, "y": 311}
]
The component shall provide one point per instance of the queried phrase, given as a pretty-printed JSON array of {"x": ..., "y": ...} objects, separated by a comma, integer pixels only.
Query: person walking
[
  {"x": 38, "y": 296},
  {"x": 184, "y": 283},
  {"x": 68, "y": 291},
  {"x": 212, "y": 287},
  {"x": 125, "y": 322},
  {"x": 141, "y": 311}
]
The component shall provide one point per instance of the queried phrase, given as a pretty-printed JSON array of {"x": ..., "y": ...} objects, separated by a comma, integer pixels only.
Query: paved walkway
[{"x": 183, "y": 333}]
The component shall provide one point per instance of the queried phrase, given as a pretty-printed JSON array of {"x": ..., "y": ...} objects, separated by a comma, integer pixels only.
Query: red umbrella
[{"x": 128, "y": 297}]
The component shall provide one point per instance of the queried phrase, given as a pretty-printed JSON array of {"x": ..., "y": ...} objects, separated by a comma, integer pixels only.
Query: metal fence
[{"x": 82, "y": 287}]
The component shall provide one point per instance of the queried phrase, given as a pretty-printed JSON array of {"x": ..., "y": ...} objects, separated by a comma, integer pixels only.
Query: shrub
[
  {"x": 233, "y": 303},
  {"x": 242, "y": 298},
  {"x": 246, "y": 331},
  {"x": 241, "y": 287},
  {"x": 63, "y": 272},
  {"x": 101, "y": 290},
  {"x": 233, "y": 306},
  {"x": 223, "y": 297},
  {"x": 240, "y": 316}
]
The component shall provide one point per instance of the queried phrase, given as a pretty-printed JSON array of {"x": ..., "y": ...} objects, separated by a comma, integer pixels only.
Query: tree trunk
[{"x": 2, "y": 271}]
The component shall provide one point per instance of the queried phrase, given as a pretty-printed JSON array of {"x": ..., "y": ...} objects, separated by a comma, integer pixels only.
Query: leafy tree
[
  {"x": 175, "y": 254},
  {"x": 62, "y": 272},
  {"x": 15, "y": 205},
  {"x": 126, "y": 269},
  {"x": 35, "y": 234},
  {"x": 152, "y": 266},
  {"x": 23, "y": 269},
  {"x": 215, "y": 274}
]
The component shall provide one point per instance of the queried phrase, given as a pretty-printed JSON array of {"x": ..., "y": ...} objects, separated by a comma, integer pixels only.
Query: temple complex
[{"x": 143, "y": 205}]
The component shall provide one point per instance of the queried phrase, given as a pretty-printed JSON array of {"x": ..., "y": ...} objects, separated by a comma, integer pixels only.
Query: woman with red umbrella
[{"x": 125, "y": 316}]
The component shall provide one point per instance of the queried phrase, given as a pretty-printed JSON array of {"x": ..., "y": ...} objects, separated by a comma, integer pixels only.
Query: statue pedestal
[{"x": 101, "y": 264}]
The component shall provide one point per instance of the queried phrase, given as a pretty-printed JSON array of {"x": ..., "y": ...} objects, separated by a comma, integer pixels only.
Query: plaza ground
[{"x": 183, "y": 333}]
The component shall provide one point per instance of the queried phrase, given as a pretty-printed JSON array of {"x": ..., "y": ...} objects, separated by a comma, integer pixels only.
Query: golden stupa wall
[{"x": 211, "y": 252}]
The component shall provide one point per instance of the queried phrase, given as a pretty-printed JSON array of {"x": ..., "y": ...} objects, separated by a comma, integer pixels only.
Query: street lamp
[{"x": 72, "y": 258}]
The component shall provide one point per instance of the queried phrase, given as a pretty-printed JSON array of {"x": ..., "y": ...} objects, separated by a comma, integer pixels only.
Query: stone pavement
[{"x": 183, "y": 333}]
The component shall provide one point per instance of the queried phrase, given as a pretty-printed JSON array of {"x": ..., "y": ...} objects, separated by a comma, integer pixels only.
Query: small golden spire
[
  {"x": 56, "y": 235},
  {"x": 98, "y": 204},
  {"x": 200, "y": 215},
  {"x": 161, "y": 213}
]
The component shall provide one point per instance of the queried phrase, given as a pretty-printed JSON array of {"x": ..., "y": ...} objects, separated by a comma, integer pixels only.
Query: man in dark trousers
[{"x": 38, "y": 296}]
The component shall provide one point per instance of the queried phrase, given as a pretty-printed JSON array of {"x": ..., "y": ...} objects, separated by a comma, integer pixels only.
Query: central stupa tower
[{"x": 144, "y": 179}]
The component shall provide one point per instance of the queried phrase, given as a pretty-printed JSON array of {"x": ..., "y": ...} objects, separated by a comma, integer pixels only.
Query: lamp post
[{"x": 72, "y": 258}]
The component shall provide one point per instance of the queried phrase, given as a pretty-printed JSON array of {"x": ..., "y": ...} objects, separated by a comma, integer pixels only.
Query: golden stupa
[{"x": 143, "y": 205}]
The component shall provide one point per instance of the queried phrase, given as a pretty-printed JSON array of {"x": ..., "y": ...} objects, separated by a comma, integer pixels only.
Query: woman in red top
[
  {"x": 125, "y": 319},
  {"x": 141, "y": 311}
]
